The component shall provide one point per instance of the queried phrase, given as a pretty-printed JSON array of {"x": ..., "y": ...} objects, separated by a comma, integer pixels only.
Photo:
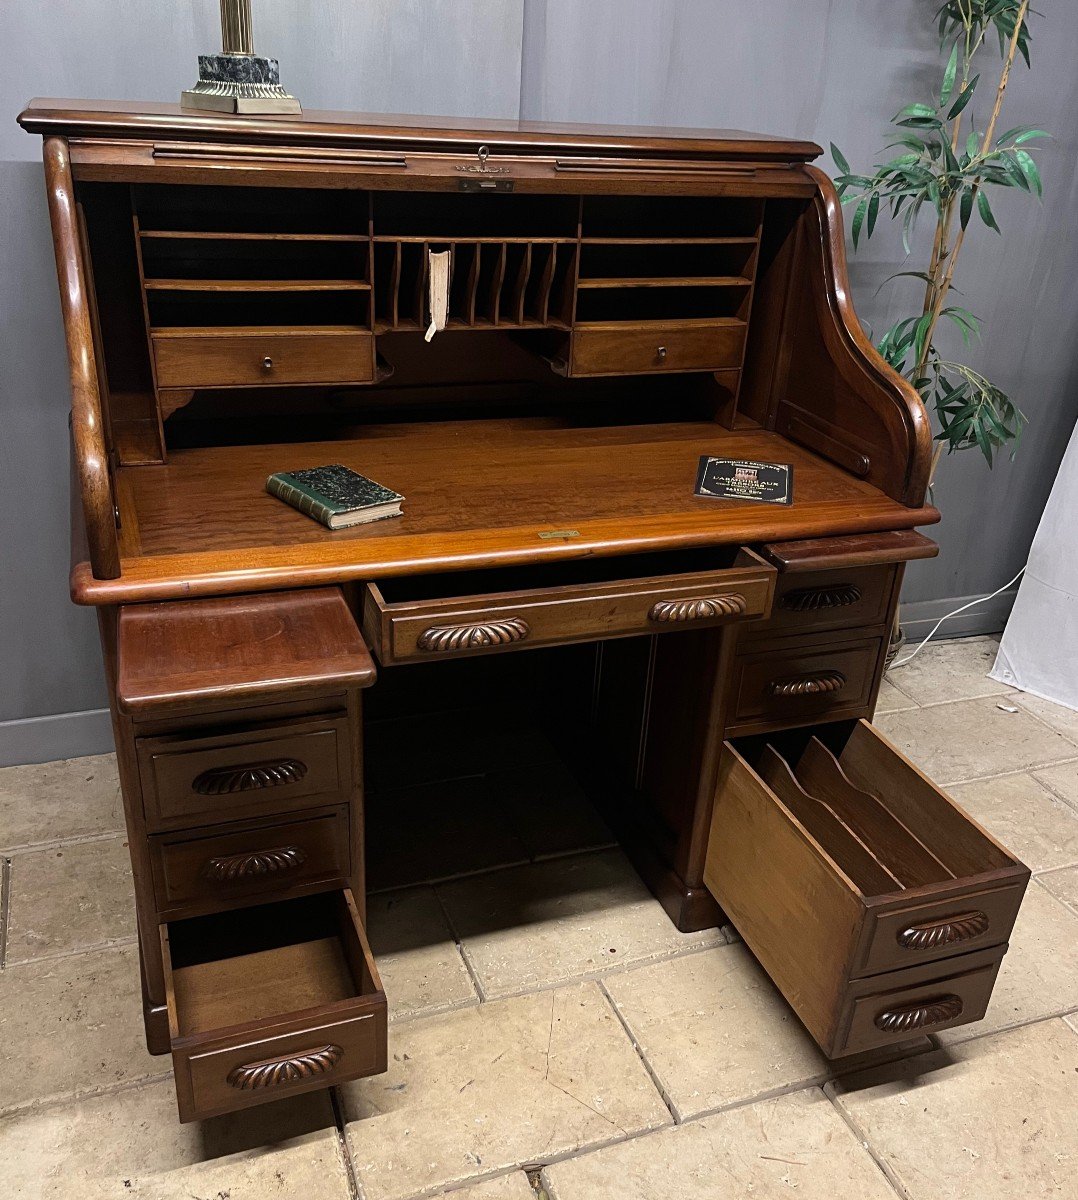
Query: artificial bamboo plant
[{"x": 943, "y": 165}]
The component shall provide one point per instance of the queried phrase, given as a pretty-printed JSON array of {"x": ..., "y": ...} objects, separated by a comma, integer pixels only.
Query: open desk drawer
[
  {"x": 439, "y": 616},
  {"x": 877, "y": 906},
  {"x": 269, "y": 1001}
]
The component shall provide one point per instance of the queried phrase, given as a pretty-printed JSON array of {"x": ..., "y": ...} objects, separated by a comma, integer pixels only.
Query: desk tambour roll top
[{"x": 246, "y": 296}]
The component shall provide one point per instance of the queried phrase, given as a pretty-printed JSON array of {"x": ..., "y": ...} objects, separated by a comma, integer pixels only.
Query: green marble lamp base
[{"x": 239, "y": 83}]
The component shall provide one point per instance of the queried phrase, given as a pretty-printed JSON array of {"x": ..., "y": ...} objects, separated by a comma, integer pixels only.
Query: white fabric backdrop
[{"x": 1039, "y": 650}]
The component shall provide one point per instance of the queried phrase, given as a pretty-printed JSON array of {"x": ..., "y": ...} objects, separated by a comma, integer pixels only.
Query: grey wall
[{"x": 827, "y": 69}]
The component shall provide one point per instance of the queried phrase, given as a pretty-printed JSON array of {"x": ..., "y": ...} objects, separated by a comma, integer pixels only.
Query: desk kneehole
[
  {"x": 877, "y": 906},
  {"x": 271, "y": 1001}
]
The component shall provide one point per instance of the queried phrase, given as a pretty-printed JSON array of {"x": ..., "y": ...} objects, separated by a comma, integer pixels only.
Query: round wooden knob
[
  {"x": 661, "y": 352},
  {"x": 267, "y": 363}
]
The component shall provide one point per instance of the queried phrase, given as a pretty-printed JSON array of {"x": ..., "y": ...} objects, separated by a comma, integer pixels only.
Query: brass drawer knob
[
  {"x": 703, "y": 609},
  {"x": 808, "y": 685},
  {"x": 929, "y": 934},
  {"x": 441, "y": 639},
  {"x": 267, "y": 363},
  {"x": 252, "y": 777},
  {"x": 660, "y": 353},
  {"x": 922, "y": 1015},
  {"x": 273, "y": 1072},
  {"x": 811, "y": 599},
  {"x": 254, "y": 865}
]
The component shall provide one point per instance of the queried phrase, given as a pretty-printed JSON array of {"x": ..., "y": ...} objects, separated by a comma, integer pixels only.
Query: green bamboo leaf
[
  {"x": 965, "y": 206},
  {"x": 873, "y": 212},
  {"x": 948, "y": 76},
  {"x": 985, "y": 209},
  {"x": 859, "y": 220},
  {"x": 964, "y": 97},
  {"x": 1014, "y": 173},
  {"x": 920, "y": 335},
  {"x": 840, "y": 159},
  {"x": 1029, "y": 169},
  {"x": 1029, "y": 135},
  {"x": 914, "y": 110},
  {"x": 973, "y": 143}
]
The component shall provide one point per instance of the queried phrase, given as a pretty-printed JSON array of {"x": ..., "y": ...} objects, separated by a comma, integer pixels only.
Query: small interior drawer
[
  {"x": 838, "y": 861},
  {"x": 791, "y": 683},
  {"x": 196, "y": 868},
  {"x": 266, "y": 1002},
  {"x": 428, "y": 617},
  {"x": 197, "y": 780},
  {"x": 622, "y": 348},
  {"x": 212, "y": 358},
  {"x": 823, "y": 600}
]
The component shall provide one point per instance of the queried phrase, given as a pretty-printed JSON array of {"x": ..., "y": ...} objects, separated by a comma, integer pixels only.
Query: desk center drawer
[{"x": 405, "y": 622}]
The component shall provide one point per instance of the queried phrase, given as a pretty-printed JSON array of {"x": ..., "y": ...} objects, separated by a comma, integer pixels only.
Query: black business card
[{"x": 732, "y": 479}]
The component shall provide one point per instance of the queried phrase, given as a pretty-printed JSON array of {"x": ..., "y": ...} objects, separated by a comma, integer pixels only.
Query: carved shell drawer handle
[
  {"x": 223, "y": 781},
  {"x": 927, "y": 935},
  {"x": 811, "y": 599},
  {"x": 921, "y": 1015},
  {"x": 706, "y": 608},
  {"x": 274, "y": 1072},
  {"x": 254, "y": 865},
  {"x": 808, "y": 685},
  {"x": 440, "y": 639}
]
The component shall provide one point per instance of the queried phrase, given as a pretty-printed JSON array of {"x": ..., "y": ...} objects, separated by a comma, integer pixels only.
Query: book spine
[{"x": 306, "y": 503}]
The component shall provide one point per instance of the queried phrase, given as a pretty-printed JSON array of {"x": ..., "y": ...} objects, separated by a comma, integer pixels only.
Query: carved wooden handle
[
  {"x": 222, "y": 781},
  {"x": 808, "y": 685},
  {"x": 257, "y": 863},
  {"x": 810, "y": 599},
  {"x": 441, "y": 638},
  {"x": 927, "y": 935},
  {"x": 704, "y": 609},
  {"x": 920, "y": 1015},
  {"x": 273, "y": 1072}
]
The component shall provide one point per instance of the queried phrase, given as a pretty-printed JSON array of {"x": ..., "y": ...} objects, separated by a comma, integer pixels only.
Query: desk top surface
[
  {"x": 478, "y": 493},
  {"x": 127, "y": 119}
]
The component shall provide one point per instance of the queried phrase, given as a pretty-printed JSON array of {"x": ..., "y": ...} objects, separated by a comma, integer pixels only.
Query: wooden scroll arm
[{"x": 87, "y": 428}]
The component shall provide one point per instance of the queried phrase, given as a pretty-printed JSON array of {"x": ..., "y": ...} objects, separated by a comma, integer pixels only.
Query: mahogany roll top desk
[{"x": 243, "y": 296}]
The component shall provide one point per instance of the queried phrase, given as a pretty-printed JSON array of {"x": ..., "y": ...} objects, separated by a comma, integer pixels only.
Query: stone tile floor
[{"x": 552, "y": 1034}]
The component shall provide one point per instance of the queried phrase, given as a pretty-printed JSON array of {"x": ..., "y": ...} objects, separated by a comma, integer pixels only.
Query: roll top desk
[{"x": 242, "y": 296}]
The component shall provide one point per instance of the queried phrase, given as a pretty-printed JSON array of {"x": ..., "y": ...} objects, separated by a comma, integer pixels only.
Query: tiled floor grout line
[
  {"x": 59, "y": 1099},
  {"x": 78, "y": 839},
  {"x": 652, "y": 1074},
  {"x": 95, "y": 948},
  {"x": 458, "y": 941},
  {"x": 851, "y": 1124},
  {"x": 5, "y": 907},
  {"x": 355, "y": 1191},
  {"x": 1054, "y": 791},
  {"x": 1030, "y": 770}
]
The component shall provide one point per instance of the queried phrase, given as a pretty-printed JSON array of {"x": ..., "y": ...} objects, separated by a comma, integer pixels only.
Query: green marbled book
[{"x": 335, "y": 495}]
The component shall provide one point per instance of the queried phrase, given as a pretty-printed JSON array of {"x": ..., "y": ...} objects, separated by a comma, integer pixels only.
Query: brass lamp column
[{"x": 237, "y": 80}]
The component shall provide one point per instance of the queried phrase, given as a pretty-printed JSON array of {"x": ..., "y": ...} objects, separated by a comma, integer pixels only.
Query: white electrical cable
[{"x": 980, "y": 600}]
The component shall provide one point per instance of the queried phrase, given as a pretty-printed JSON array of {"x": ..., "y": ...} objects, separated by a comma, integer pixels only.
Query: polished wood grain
[
  {"x": 87, "y": 425},
  {"x": 252, "y": 649},
  {"x": 195, "y": 359},
  {"x": 405, "y": 630},
  {"x": 206, "y": 869},
  {"x": 119, "y": 119},
  {"x": 615, "y": 349},
  {"x": 243, "y": 1020},
  {"x": 620, "y": 488},
  {"x": 825, "y": 884},
  {"x": 845, "y": 553},
  {"x": 278, "y": 768}
]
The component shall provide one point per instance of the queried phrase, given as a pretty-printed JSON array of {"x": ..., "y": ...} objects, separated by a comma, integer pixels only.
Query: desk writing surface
[{"x": 478, "y": 493}]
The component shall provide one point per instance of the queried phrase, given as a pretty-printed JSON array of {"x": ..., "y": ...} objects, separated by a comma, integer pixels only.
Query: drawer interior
[
  {"x": 884, "y": 826},
  {"x": 255, "y": 963},
  {"x": 412, "y": 588}
]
